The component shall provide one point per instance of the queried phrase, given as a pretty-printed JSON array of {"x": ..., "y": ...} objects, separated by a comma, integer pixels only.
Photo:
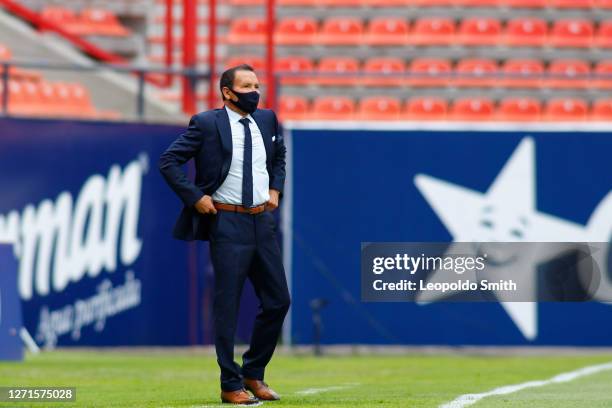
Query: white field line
[
  {"x": 469, "y": 399},
  {"x": 312, "y": 391}
]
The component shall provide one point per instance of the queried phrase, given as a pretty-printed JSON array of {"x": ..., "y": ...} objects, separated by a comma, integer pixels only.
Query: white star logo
[{"x": 507, "y": 212}]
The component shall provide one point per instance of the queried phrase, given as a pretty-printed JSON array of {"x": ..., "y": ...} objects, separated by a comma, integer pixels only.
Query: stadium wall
[{"x": 91, "y": 276}]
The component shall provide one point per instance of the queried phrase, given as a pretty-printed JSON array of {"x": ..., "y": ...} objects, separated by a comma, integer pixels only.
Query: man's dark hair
[{"x": 227, "y": 78}]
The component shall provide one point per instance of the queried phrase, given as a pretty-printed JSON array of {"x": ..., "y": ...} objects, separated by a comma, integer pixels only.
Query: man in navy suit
[{"x": 240, "y": 172}]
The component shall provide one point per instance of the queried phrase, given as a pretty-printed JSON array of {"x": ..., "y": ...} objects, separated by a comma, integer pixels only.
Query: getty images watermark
[{"x": 486, "y": 271}]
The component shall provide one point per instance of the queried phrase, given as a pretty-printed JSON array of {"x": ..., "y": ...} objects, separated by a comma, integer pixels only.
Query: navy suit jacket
[{"x": 208, "y": 140}]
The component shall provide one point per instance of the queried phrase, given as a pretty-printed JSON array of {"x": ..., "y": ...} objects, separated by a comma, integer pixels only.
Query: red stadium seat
[
  {"x": 385, "y": 3},
  {"x": 247, "y": 30},
  {"x": 379, "y": 108},
  {"x": 425, "y": 108},
  {"x": 385, "y": 71},
  {"x": 566, "y": 110},
  {"x": 240, "y": 3},
  {"x": 102, "y": 22},
  {"x": 426, "y": 72},
  {"x": 255, "y": 61},
  {"x": 603, "y": 75},
  {"x": 476, "y": 72},
  {"x": 473, "y": 109},
  {"x": 296, "y": 31},
  {"x": 568, "y": 74},
  {"x": 64, "y": 17},
  {"x": 519, "y": 109},
  {"x": 478, "y": 3},
  {"x": 530, "y": 4},
  {"x": 300, "y": 66},
  {"x": 602, "y": 4},
  {"x": 293, "y": 108},
  {"x": 341, "y": 31},
  {"x": 603, "y": 38},
  {"x": 522, "y": 73},
  {"x": 526, "y": 31},
  {"x": 431, "y": 3},
  {"x": 320, "y": 3},
  {"x": 571, "y": 4},
  {"x": 433, "y": 31},
  {"x": 333, "y": 108},
  {"x": 5, "y": 53},
  {"x": 602, "y": 110},
  {"x": 387, "y": 31},
  {"x": 572, "y": 33},
  {"x": 79, "y": 101},
  {"x": 479, "y": 31},
  {"x": 340, "y": 69}
]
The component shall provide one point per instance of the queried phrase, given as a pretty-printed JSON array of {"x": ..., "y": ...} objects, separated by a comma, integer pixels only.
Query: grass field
[{"x": 183, "y": 379}]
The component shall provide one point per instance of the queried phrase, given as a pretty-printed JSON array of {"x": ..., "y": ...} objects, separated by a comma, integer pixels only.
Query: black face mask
[{"x": 247, "y": 101}]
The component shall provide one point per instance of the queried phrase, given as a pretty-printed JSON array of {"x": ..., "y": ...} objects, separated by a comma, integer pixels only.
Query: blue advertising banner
[
  {"x": 92, "y": 219},
  {"x": 391, "y": 184},
  {"x": 10, "y": 306}
]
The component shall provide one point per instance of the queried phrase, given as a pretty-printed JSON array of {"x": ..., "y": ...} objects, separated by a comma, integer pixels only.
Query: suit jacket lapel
[
  {"x": 266, "y": 132},
  {"x": 225, "y": 131}
]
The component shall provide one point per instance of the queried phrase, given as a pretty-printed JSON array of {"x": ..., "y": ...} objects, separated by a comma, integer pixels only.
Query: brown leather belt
[{"x": 239, "y": 208}]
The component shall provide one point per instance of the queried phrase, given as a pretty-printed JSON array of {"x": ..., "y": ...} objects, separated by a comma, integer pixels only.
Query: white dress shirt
[{"x": 230, "y": 192}]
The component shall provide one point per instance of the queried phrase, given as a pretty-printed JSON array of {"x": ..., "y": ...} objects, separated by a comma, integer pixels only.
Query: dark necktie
[{"x": 247, "y": 166}]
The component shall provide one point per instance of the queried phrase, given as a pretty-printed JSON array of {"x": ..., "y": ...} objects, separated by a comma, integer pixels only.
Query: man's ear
[{"x": 226, "y": 93}]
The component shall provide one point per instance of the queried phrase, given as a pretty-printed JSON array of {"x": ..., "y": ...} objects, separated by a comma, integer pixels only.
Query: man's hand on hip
[
  {"x": 272, "y": 203},
  {"x": 205, "y": 205}
]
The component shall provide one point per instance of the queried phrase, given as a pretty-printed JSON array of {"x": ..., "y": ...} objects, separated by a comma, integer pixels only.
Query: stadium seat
[
  {"x": 602, "y": 4},
  {"x": 522, "y": 73},
  {"x": 474, "y": 72},
  {"x": 344, "y": 71},
  {"x": 296, "y": 31},
  {"x": 384, "y": 71},
  {"x": 79, "y": 101},
  {"x": 379, "y": 108},
  {"x": 5, "y": 53},
  {"x": 603, "y": 39},
  {"x": 570, "y": 4},
  {"x": 285, "y": 66},
  {"x": 386, "y": 3},
  {"x": 568, "y": 74},
  {"x": 479, "y": 31},
  {"x": 602, "y": 110},
  {"x": 432, "y": 3},
  {"x": 341, "y": 31},
  {"x": 566, "y": 110},
  {"x": 521, "y": 109},
  {"x": 433, "y": 31},
  {"x": 333, "y": 108},
  {"x": 429, "y": 72},
  {"x": 477, "y": 3},
  {"x": 425, "y": 108},
  {"x": 246, "y": 3},
  {"x": 603, "y": 75},
  {"x": 64, "y": 17},
  {"x": 530, "y": 4},
  {"x": 526, "y": 32},
  {"x": 575, "y": 33},
  {"x": 19, "y": 102},
  {"x": 387, "y": 31},
  {"x": 473, "y": 109},
  {"x": 293, "y": 108},
  {"x": 102, "y": 22},
  {"x": 320, "y": 3},
  {"x": 247, "y": 30}
]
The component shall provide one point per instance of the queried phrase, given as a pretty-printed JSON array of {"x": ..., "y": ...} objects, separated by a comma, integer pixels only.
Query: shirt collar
[{"x": 235, "y": 116}]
